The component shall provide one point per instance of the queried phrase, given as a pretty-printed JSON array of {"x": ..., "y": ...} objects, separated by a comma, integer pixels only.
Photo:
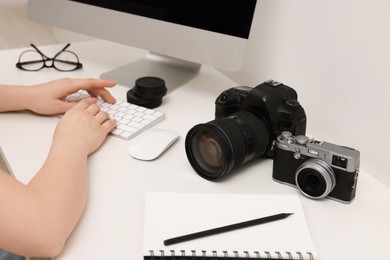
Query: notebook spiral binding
[{"x": 193, "y": 255}]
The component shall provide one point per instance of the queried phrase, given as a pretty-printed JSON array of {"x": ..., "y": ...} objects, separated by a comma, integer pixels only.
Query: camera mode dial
[
  {"x": 292, "y": 104},
  {"x": 230, "y": 101},
  {"x": 233, "y": 95},
  {"x": 287, "y": 136}
]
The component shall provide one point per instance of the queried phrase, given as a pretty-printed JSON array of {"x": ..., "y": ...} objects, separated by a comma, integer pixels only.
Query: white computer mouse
[{"x": 151, "y": 143}]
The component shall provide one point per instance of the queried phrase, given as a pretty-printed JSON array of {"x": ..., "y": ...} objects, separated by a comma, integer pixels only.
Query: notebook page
[{"x": 169, "y": 215}]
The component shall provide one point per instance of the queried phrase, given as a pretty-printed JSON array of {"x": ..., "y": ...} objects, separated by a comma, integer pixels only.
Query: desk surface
[{"x": 112, "y": 225}]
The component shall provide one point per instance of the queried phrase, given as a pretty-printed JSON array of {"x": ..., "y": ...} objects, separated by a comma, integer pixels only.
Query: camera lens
[
  {"x": 315, "y": 178},
  {"x": 219, "y": 146}
]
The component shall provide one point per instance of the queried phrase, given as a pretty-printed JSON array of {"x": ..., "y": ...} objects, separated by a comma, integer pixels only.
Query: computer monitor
[{"x": 180, "y": 35}]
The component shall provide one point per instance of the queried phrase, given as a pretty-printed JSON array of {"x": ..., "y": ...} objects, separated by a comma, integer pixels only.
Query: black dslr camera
[
  {"x": 318, "y": 169},
  {"x": 247, "y": 122}
]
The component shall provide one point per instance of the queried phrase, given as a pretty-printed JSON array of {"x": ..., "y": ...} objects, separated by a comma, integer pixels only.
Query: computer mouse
[{"x": 151, "y": 143}]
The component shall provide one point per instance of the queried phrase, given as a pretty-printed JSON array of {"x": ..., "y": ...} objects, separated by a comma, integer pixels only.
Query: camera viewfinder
[{"x": 339, "y": 161}]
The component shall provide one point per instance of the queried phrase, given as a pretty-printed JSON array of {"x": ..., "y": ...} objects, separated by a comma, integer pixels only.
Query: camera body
[
  {"x": 275, "y": 103},
  {"x": 247, "y": 121},
  {"x": 319, "y": 169}
]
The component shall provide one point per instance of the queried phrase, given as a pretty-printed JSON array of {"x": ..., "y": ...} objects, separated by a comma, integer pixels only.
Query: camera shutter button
[
  {"x": 302, "y": 139},
  {"x": 292, "y": 104},
  {"x": 286, "y": 134}
]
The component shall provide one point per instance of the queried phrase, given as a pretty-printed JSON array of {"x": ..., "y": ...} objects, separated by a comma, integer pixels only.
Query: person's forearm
[
  {"x": 13, "y": 98},
  {"x": 61, "y": 187}
]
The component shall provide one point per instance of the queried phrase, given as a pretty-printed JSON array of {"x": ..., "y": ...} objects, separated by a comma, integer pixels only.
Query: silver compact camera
[{"x": 318, "y": 169}]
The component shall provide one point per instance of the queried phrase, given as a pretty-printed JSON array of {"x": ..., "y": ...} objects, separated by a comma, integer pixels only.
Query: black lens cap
[{"x": 147, "y": 92}]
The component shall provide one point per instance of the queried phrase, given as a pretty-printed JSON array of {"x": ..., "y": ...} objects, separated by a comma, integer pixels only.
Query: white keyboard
[{"x": 131, "y": 119}]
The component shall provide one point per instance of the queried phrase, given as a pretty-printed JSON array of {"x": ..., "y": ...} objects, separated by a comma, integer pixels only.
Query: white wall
[
  {"x": 336, "y": 54},
  {"x": 16, "y": 30}
]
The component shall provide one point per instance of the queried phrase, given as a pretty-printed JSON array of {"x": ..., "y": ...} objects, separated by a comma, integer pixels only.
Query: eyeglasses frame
[{"x": 45, "y": 59}]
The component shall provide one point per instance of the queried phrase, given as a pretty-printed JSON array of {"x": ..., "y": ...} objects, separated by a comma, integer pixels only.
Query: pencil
[{"x": 227, "y": 228}]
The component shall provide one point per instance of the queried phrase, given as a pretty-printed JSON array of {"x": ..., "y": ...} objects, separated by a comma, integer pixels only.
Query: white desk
[{"x": 112, "y": 225}]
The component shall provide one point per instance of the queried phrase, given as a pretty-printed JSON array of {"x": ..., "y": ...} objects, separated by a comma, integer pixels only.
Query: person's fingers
[
  {"x": 95, "y": 87},
  {"x": 73, "y": 85},
  {"x": 109, "y": 125},
  {"x": 93, "y": 109},
  {"x": 83, "y": 104},
  {"x": 98, "y": 83},
  {"x": 90, "y": 84},
  {"x": 103, "y": 93},
  {"x": 102, "y": 116}
]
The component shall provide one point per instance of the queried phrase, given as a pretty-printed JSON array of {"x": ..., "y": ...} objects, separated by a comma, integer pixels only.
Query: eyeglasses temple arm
[
  {"x": 35, "y": 47},
  {"x": 63, "y": 49}
]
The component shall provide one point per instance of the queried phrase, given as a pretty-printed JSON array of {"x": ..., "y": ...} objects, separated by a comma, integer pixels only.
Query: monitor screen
[
  {"x": 228, "y": 17},
  {"x": 179, "y": 35}
]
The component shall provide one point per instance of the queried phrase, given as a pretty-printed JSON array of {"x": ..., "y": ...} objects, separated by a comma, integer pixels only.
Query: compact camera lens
[
  {"x": 219, "y": 146},
  {"x": 315, "y": 178}
]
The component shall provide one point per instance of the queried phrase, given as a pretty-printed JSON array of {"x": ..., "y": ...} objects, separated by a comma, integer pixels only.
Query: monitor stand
[{"x": 175, "y": 72}]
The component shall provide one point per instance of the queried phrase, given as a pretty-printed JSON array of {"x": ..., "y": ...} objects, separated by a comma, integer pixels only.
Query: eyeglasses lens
[
  {"x": 31, "y": 60},
  {"x": 66, "y": 61}
]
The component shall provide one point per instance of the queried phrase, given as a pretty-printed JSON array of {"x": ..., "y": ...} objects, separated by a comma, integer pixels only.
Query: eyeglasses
[{"x": 34, "y": 60}]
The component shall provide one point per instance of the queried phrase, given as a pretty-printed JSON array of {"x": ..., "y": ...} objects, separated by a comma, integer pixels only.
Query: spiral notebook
[{"x": 169, "y": 215}]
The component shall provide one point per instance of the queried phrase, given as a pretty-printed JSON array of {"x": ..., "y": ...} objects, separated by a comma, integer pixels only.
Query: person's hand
[
  {"x": 84, "y": 126},
  {"x": 50, "y": 98}
]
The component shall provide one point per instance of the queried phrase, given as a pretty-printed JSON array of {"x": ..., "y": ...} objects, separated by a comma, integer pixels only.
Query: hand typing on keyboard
[
  {"x": 63, "y": 178},
  {"x": 49, "y": 98},
  {"x": 131, "y": 119}
]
